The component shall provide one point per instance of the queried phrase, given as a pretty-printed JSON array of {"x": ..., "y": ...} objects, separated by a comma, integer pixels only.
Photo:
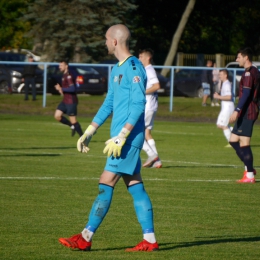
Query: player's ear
[{"x": 115, "y": 42}]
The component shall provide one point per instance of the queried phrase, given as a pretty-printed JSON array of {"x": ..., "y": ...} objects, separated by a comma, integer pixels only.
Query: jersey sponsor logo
[
  {"x": 119, "y": 79},
  {"x": 247, "y": 74},
  {"x": 136, "y": 79},
  {"x": 113, "y": 165},
  {"x": 115, "y": 79}
]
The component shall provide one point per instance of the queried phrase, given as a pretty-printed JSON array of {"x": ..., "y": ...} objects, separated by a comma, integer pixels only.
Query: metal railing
[{"x": 173, "y": 69}]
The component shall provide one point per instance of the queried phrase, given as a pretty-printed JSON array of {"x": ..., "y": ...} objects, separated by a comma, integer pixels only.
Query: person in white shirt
[
  {"x": 146, "y": 56},
  {"x": 216, "y": 83},
  {"x": 227, "y": 104}
]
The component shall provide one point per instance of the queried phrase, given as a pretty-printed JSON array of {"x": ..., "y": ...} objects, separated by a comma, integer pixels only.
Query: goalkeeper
[{"x": 126, "y": 100}]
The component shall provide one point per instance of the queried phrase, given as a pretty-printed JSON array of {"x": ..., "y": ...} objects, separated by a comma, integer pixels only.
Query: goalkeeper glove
[
  {"x": 82, "y": 144},
  {"x": 115, "y": 144}
]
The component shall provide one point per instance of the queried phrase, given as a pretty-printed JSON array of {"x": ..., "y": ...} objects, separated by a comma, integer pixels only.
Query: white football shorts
[
  {"x": 225, "y": 113},
  {"x": 149, "y": 118}
]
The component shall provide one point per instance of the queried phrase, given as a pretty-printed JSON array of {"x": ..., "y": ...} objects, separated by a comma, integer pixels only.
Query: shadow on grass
[
  {"x": 201, "y": 166},
  {"x": 209, "y": 242},
  {"x": 31, "y": 154},
  {"x": 39, "y": 148}
]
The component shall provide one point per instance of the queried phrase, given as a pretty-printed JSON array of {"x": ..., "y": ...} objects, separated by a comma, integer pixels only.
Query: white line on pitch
[
  {"x": 85, "y": 178},
  {"x": 182, "y": 133}
]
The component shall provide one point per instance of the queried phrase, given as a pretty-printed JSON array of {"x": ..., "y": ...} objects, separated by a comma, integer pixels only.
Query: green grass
[
  {"x": 188, "y": 109},
  {"x": 47, "y": 189}
]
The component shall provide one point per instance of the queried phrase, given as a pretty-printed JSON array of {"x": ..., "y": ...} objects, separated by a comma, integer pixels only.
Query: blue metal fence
[{"x": 172, "y": 69}]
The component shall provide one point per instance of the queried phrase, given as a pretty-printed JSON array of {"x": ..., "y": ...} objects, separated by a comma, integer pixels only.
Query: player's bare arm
[
  {"x": 152, "y": 89},
  {"x": 233, "y": 117}
]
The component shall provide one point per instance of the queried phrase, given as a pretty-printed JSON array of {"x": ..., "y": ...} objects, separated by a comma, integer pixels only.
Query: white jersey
[
  {"x": 227, "y": 107},
  {"x": 151, "y": 99},
  {"x": 226, "y": 90}
]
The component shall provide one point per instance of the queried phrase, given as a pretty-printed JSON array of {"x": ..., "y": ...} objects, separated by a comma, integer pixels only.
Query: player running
[
  {"x": 227, "y": 104},
  {"x": 70, "y": 100},
  {"x": 146, "y": 56}
]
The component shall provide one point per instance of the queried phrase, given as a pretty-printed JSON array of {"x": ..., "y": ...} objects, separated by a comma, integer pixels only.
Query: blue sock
[
  {"x": 143, "y": 207},
  {"x": 65, "y": 121},
  {"x": 238, "y": 150},
  {"x": 248, "y": 158},
  {"x": 78, "y": 128},
  {"x": 100, "y": 207}
]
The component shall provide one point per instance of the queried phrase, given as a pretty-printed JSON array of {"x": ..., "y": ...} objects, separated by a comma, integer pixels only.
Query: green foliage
[
  {"x": 222, "y": 27},
  {"x": 47, "y": 189},
  {"x": 11, "y": 28},
  {"x": 77, "y": 26}
]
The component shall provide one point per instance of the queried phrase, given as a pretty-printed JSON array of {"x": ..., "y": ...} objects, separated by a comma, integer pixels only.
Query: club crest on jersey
[
  {"x": 119, "y": 79},
  {"x": 115, "y": 79},
  {"x": 136, "y": 79},
  {"x": 247, "y": 74}
]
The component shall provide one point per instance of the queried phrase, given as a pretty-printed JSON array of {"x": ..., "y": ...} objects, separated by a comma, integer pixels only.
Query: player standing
[
  {"x": 245, "y": 114},
  {"x": 126, "y": 101},
  {"x": 227, "y": 104},
  {"x": 152, "y": 85},
  {"x": 70, "y": 100}
]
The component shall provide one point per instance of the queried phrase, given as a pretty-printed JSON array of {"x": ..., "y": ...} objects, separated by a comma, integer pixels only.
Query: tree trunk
[{"x": 177, "y": 36}]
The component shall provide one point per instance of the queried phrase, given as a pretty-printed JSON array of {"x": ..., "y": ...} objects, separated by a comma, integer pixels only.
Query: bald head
[
  {"x": 120, "y": 32},
  {"x": 117, "y": 41}
]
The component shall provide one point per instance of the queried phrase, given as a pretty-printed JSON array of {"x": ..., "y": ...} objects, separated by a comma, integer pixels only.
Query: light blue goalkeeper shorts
[{"x": 128, "y": 163}]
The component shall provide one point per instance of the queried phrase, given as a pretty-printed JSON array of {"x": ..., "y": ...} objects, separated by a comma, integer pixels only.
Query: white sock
[
  {"x": 151, "y": 142},
  {"x": 250, "y": 175},
  {"x": 245, "y": 168},
  {"x": 87, "y": 235},
  {"x": 148, "y": 149},
  {"x": 150, "y": 237},
  {"x": 227, "y": 133}
]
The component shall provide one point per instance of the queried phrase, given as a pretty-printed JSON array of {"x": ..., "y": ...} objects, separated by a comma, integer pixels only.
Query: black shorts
[
  {"x": 68, "y": 109},
  {"x": 243, "y": 127}
]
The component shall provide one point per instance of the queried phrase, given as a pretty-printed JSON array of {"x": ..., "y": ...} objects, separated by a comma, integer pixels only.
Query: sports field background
[{"x": 47, "y": 187}]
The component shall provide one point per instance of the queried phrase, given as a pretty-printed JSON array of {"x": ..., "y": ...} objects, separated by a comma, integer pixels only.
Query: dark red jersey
[
  {"x": 69, "y": 89},
  {"x": 249, "y": 80}
]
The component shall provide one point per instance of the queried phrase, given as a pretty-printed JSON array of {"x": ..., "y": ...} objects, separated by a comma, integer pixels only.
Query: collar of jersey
[{"x": 121, "y": 62}]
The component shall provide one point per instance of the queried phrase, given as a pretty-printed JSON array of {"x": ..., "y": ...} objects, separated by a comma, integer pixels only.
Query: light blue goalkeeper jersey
[{"x": 126, "y": 100}]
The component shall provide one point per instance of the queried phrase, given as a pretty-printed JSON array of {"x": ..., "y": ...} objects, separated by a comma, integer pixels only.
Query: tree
[
  {"x": 11, "y": 28},
  {"x": 177, "y": 36},
  {"x": 75, "y": 29}
]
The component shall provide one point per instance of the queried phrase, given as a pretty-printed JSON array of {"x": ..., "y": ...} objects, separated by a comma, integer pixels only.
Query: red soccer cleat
[
  {"x": 246, "y": 180},
  {"x": 144, "y": 246},
  {"x": 76, "y": 241}
]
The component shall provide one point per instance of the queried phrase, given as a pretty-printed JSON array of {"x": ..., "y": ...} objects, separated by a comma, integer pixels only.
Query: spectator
[
  {"x": 29, "y": 73},
  {"x": 216, "y": 83},
  {"x": 207, "y": 84}
]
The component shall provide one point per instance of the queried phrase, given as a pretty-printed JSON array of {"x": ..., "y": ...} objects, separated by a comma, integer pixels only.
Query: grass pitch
[{"x": 200, "y": 212}]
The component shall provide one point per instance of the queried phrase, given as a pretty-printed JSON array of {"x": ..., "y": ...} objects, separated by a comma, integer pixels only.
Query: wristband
[{"x": 124, "y": 133}]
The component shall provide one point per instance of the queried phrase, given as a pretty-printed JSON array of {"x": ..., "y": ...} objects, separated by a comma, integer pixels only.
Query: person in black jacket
[
  {"x": 29, "y": 73},
  {"x": 207, "y": 83}
]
